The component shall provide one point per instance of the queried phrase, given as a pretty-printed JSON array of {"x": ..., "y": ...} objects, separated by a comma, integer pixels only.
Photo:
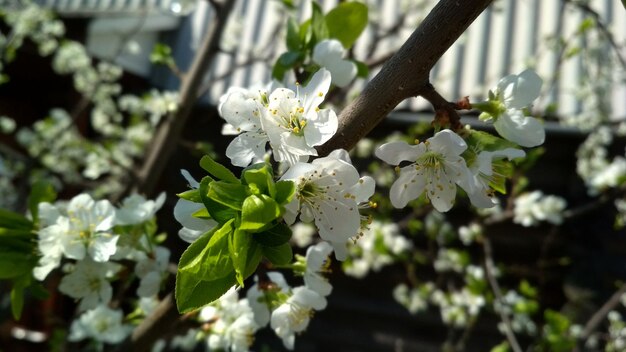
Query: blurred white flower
[
  {"x": 329, "y": 54},
  {"x": 101, "y": 324}
]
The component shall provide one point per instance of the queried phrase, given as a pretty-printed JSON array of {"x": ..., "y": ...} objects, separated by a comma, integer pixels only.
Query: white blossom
[
  {"x": 89, "y": 283},
  {"x": 436, "y": 166},
  {"x": 294, "y": 315},
  {"x": 481, "y": 194},
  {"x": 302, "y": 234},
  {"x": 136, "y": 209},
  {"x": 258, "y": 297},
  {"x": 151, "y": 272},
  {"x": 329, "y": 191},
  {"x": 294, "y": 123},
  {"x": 329, "y": 54},
  {"x": 101, "y": 324},
  {"x": 512, "y": 94},
  {"x": 531, "y": 208}
]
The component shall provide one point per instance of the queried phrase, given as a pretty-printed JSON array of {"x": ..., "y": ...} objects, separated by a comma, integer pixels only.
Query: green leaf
[
  {"x": 289, "y": 59},
  {"x": 218, "y": 170},
  {"x": 231, "y": 195},
  {"x": 261, "y": 176},
  {"x": 11, "y": 220},
  {"x": 217, "y": 211},
  {"x": 258, "y": 212},
  {"x": 318, "y": 24},
  {"x": 279, "y": 255},
  {"x": 293, "y": 35},
  {"x": 362, "y": 70},
  {"x": 284, "y": 191},
  {"x": 191, "y": 257},
  {"x": 213, "y": 261},
  {"x": 17, "y": 301},
  {"x": 192, "y": 293},
  {"x": 276, "y": 236},
  {"x": 42, "y": 191},
  {"x": 239, "y": 246},
  {"x": 192, "y": 195},
  {"x": 161, "y": 54},
  {"x": 279, "y": 70},
  {"x": 346, "y": 22},
  {"x": 14, "y": 264}
]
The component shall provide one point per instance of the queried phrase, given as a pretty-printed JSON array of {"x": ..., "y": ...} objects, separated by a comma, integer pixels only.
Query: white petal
[
  {"x": 182, "y": 213},
  {"x": 246, "y": 148},
  {"x": 308, "y": 298},
  {"x": 315, "y": 92},
  {"x": 363, "y": 189},
  {"x": 318, "y": 283},
  {"x": 523, "y": 130},
  {"x": 448, "y": 143},
  {"x": 48, "y": 214},
  {"x": 342, "y": 72},
  {"x": 103, "y": 247},
  {"x": 395, "y": 152},
  {"x": 442, "y": 192},
  {"x": 297, "y": 170},
  {"x": 341, "y": 154},
  {"x": 190, "y": 180},
  {"x": 105, "y": 212},
  {"x": 407, "y": 187},
  {"x": 521, "y": 90},
  {"x": 340, "y": 249},
  {"x": 189, "y": 235},
  {"x": 239, "y": 110},
  {"x": 338, "y": 221},
  {"x": 328, "y": 50},
  {"x": 485, "y": 158},
  {"x": 320, "y": 129}
]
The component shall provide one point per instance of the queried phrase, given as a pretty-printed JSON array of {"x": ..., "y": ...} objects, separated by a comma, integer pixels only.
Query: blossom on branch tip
[
  {"x": 330, "y": 192},
  {"x": 512, "y": 94},
  {"x": 436, "y": 168}
]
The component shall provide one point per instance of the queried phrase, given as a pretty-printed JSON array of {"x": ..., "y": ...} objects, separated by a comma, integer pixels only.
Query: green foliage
[
  {"x": 248, "y": 212},
  {"x": 161, "y": 55},
  {"x": 346, "y": 22},
  {"x": 556, "y": 335}
]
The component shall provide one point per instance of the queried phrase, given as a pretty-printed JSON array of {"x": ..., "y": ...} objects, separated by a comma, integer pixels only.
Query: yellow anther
[
  {"x": 373, "y": 205},
  {"x": 320, "y": 94},
  {"x": 296, "y": 129},
  {"x": 397, "y": 168},
  {"x": 416, "y": 141}
]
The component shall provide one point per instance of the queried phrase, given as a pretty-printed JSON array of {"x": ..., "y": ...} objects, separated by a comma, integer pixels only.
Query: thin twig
[
  {"x": 599, "y": 316},
  {"x": 508, "y": 328}
]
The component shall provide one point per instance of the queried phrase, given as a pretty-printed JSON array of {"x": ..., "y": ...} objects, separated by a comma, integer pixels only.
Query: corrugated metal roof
[
  {"x": 96, "y": 7},
  {"x": 507, "y": 38}
]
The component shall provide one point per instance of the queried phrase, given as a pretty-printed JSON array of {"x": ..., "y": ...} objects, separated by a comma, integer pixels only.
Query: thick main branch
[{"x": 406, "y": 73}]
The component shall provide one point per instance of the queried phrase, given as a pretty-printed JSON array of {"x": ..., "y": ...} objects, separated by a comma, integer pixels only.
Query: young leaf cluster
[{"x": 249, "y": 213}]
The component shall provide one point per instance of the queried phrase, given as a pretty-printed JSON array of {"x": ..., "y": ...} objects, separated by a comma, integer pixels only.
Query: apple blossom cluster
[
  {"x": 532, "y": 208},
  {"x": 90, "y": 240},
  {"x": 381, "y": 244}
]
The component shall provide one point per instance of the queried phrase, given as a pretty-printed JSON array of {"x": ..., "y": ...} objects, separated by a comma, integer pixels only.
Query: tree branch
[
  {"x": 406, "y": 73},
  {"x": 170, "y": 130},
  {"x": 493, "y": 282}
]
